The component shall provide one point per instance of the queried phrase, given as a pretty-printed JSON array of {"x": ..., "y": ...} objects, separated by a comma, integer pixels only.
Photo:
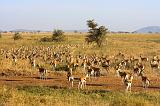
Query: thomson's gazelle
[
  {"x": 70, "y": 77},
  {"x": 42, "y": 72},
  {"x": 82, "y": 82},
  {"x": 126, "y": 78},
  {"x": 145, "y": 81},
  {"x": 121, "y": 73},
  {"x": 128, "y": 81}
]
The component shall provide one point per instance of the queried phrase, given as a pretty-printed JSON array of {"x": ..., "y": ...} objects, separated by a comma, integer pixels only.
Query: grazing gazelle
[
  {"x": 145, "y": 81},
  {"x": 42, "y": 72},
  {"x": 128, "y": 81},
  {"x": 82, "y": 82}
]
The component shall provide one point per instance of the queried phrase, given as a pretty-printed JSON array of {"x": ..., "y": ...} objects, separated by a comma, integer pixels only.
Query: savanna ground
[{"x": 21, "y": 86}]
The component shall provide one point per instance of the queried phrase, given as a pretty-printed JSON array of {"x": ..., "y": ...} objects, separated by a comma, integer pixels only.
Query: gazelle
[
  {"x": 128, "y": 81},
  {"x": 70, "y": 77},
  {"x": 14, "y": 59},
  {"x": 134, "y": 60},
  {"x": 106, "y": 65},
  {"x": 126, "y": 78},
  {"x": 156, "y": 58},
  {"x": 85, "y": 64},
  {"x": 145, "y": 81},
  {"x": 143, "y": 58},
  {"x": 82, "y": 82},
  {"x": 154, "y": 64},
  {"x": 42, "y": 72},
  {"x": 122, "y": 64},
  {"x": 121, "y": 73},
  {"x": 90, "y": 72},
  {"x": 96, "y": 71},
  {"x": 33, "y": 63},
  {"x": 138, "y": 68}
]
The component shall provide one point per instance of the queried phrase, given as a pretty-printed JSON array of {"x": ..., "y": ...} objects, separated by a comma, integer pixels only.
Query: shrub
[
  {"x": 58, "y": 35},
  {"x": 75, "y": 31},
  {"x": 46, "y": 39},
  {"x": 17, "y": 36}
]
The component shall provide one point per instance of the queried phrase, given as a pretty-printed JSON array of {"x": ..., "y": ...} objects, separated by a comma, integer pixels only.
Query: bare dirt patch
[{"x": 107, "y": 83}]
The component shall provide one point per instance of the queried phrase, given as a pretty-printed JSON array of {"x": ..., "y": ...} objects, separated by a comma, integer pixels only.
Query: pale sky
[{"x": 117, "y": 15}]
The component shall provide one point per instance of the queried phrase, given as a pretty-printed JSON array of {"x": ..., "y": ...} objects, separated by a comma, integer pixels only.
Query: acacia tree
[
  {"x": 96, "y": 34},
  {"x": 58, "y": 35}
]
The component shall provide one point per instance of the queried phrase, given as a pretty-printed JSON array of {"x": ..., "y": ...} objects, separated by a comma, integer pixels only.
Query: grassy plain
[{"x": 129, "y": 44}]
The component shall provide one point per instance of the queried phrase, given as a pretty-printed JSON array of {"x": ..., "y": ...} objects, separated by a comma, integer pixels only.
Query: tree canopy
[{"x": 96, "y": 34}]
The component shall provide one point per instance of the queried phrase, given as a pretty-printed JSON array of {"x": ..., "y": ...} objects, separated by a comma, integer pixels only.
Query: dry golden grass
[
  {"x": 129, "y": 44},
  {"x": 48, "y": 96}
]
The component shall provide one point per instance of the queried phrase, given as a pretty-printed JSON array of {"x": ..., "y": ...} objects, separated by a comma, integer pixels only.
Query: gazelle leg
[
  {"x": 130, "y": 87},
  {"x": 127, "y": 88},
  {"x": 45, "y": 77},
  {"x": 72, "y": 84},
  {"x": 79, "y": 85},
  {"x": 147, "y": 83},
  {"x": 89, "y": 77},
  {"x": 85, "y": 84},
  {"x": 40, "y": 76},
  {"x": 143, "y": 84}
]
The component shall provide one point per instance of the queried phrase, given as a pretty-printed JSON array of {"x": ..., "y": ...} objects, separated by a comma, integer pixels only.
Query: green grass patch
[{"x": 36, "y": 95}]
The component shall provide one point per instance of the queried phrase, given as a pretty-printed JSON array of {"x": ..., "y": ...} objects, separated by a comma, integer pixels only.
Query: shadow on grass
[
  {"x": 14, "y": 80},
  {"x": 98, "y": 84},
  {"x": 94, "y": 91},
  {"x": 154, "y": 87},
  {"x": 150, "y": 87},
  {"x": 45, "y": 78}
]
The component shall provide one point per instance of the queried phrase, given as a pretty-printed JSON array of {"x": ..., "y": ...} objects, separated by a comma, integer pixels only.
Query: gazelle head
[
  {"x": 118, "y": 70},
  {"x": 87, "y": 75}
]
